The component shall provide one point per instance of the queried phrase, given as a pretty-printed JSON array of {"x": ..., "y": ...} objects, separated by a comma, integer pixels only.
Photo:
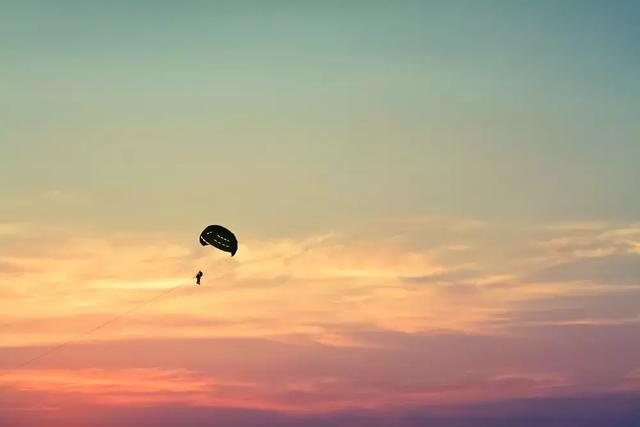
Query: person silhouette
[{"x": 198, "y": 277}]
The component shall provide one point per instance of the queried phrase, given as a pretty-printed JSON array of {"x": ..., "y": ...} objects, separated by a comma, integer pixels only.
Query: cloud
[
  {"x": 446, "y": 276},
  {"x": 129, "y": 386},
  {"x": 622, "y": 306},
  {"x": 280, "y": 286},
  {"x": 325, "y": 323},
  {"x": 618, "y": 269},
  {"x": 285, "y": 283},
  {"x": 591, "y": 410},
  {"x": 579, "y": 226},
  {"x": 386, "y": 369}
]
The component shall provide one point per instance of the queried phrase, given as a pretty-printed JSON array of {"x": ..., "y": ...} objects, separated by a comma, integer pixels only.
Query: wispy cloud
[{"x": 327, "y": 322}]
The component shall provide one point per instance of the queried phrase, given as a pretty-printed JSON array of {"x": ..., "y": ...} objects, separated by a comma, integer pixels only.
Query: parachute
[{"x": 219, "y": 237}]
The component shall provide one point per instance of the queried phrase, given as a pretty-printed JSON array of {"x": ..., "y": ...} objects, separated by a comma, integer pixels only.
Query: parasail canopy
[{"x": 219, "y": 237}]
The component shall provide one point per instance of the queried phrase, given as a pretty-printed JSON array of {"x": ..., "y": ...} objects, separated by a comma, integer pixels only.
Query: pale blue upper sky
[{"x": 290, "y": 116}]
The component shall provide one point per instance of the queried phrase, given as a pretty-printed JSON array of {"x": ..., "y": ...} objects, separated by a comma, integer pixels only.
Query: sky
[{"x": 436, "y": 204}]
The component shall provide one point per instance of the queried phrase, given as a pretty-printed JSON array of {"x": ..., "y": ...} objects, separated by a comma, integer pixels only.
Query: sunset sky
[{"x": 437, "y": 205}]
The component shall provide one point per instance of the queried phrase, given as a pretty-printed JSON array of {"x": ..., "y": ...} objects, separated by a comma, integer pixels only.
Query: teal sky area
[{"x": 285, "y": 117}]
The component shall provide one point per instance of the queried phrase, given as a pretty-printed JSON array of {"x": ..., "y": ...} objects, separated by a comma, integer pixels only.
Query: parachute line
[{"x": 85, "y": 334}]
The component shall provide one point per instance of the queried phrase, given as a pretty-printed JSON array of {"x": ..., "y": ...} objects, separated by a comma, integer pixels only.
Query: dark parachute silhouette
[{"x": 219, "y": 237}]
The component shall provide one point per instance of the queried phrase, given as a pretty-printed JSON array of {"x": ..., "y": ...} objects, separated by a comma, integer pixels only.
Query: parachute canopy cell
[{"x": 219, "y": 237}]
